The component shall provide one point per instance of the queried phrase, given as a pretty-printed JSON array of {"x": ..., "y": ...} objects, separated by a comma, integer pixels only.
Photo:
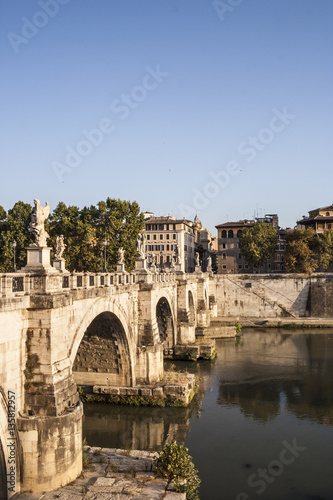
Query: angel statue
[
  {"x": 197, "y": 259},
  {"x": 60, "y": 247},
  {"x": 121, "y": 254},
  {"x": 36, "y": 227},
  {"x": 140, "y": 246}
]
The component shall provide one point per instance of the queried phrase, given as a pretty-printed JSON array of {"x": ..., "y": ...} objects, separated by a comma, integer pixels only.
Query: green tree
[
  {"x": 14, "y": 226},
  {"x": 258, "y": 243},
  {"x": 175, "y": 465},
  {"x": 302, "y": 251},
  {"x": 117, "y": 221},
  {"x": 325, "y": 246}
]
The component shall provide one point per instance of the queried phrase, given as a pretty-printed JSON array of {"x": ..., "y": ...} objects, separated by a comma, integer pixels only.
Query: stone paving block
[{"x": 105, "y": 481}]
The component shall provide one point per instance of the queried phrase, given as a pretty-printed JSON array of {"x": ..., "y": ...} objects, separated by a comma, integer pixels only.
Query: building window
[
  {"x": 239, "y": 255},
  {"x": 148, "y": 227},
  {"x": 246, "y": 266},
  {"x": 168, "y": 236},
  {"x": 174, "y": 237},
  {"x": 148, "y": 248},
  {"x": 224, "y": 234},
  {"x": 168, "y": 248},
  {"x": 327, "y": 214},
  {"x": 185, "y": 248},
  {"x": 240, "y": 266},
  {"x": 282, "y": 246},
  {"x": 161, "y": 259},
  {"x": 224, "y": 256},
  {"x": 154, "y": 227},
  {"x": 154, "y": 248},
  {"x": 148, "y": 236},
  {"x": 278, "y": 258},
  {"x": 239, "y": 233},
  {"x": 161, "y": 236},
  {"x": 224, "y": 245},
  {"x": 224, "y": 266},
  {"x": 162, "y": 248},
  {"x": 282, "y": 258},
  {"x": 230, "y": 233},
  {"x": 329, "y": 226},
  {"x": 168, "y": 258},
  {"x": 161, "y": 227},
  {"x": 154, "y": 236}
]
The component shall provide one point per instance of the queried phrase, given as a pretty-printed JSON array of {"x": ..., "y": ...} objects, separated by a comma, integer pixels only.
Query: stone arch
[
  {"x": 165, "y": 323},
  {"x": 230, "y": 233},
  {"x": 102, "y": 352},
  {"x": 224, "y": 234}
]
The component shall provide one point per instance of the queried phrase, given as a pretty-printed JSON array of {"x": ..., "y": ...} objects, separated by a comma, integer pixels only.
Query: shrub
[{"x": 175, "y": 465}]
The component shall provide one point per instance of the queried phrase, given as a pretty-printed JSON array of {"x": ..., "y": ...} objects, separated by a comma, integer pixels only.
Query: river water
[{"x": 260, "y": 427}]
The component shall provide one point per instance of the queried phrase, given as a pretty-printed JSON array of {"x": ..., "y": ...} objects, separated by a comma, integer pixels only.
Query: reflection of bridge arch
[
  {"x": 102, "y": 349},
  {"x": 165, "y": 322}
]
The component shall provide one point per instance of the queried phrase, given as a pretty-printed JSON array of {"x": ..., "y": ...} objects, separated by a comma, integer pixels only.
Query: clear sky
[{"x": 222, "y": 108}]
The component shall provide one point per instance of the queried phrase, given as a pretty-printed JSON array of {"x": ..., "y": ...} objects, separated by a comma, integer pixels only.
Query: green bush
[{"x": 175, "y": 465}]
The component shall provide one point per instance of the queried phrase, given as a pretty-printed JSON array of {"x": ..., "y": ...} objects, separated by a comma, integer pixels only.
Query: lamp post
[
  {"x": 105, "y": 245},
  {"x": 14, "y": 247}
]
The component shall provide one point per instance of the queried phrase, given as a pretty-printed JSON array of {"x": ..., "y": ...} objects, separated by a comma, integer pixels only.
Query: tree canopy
[
  {"x": 84, "y": 230},
  {"x": 258, "y": 243},
  {"x": 307, "y": 251}
]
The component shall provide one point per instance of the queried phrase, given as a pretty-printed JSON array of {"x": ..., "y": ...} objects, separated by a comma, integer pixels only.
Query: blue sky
[{"x": 222, "y": 108}]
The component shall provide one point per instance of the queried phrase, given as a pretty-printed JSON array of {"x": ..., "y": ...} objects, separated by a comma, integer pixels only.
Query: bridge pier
[{"x": 51, "y": 450}]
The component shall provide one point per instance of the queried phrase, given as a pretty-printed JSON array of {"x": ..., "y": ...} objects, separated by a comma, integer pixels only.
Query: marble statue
[
  {"x": 36, "y": 227},
  {"x": 140, "y": 245},
  {"x": 60, "y": 247},
  {"x": 197, "y": 259},
  {"x": 121, "y": 255}
]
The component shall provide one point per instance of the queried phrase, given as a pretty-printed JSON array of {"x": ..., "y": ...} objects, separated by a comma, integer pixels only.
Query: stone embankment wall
[{"x": 271, "y": 296}]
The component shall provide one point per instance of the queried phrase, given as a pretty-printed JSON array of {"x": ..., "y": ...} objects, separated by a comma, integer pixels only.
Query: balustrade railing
[{"x": 19, "y": 284}]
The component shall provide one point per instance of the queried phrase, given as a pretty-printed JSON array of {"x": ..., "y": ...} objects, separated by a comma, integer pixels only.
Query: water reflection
[
  {"x": 138, "y": 428},
  {"x": 264, "y": 389},
  {"x": 261, "y": 367}
]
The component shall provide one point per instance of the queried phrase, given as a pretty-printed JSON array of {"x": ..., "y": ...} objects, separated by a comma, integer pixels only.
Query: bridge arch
[
  {"x": 102, "y": 352},
  {"x": 165, "y": 322}
]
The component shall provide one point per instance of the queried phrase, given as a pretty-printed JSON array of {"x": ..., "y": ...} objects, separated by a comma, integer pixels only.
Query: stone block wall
[{"x": 267, "y": 296}]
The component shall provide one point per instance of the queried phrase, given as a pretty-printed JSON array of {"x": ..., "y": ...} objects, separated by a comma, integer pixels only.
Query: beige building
[
  {"x": 167, "y": 239},
  {"x": 230, "y": 258},
  {"x": 320, "y": 219}
]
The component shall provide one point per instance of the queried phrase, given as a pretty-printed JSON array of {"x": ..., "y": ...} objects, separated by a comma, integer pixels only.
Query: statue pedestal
[
  {"x": 141, "y": 264},
  {"x": 121, "y": 268},
  {"x": 198, "y": 269},
  {"x": 60, "y": 265},
  {"x": 38, "y": 260}
]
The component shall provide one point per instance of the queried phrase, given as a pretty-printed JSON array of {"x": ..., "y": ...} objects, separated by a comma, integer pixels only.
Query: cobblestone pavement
[{"x": 113, "y": 474}]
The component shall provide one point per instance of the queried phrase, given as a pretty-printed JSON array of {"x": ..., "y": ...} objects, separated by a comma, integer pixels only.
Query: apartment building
[
  {"x": 167, "y": 239},
  {"x": 320, "y": 219}
]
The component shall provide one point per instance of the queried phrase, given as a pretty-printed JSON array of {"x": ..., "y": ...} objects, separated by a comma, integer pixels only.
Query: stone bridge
[{"x": 59, "y": 330}]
